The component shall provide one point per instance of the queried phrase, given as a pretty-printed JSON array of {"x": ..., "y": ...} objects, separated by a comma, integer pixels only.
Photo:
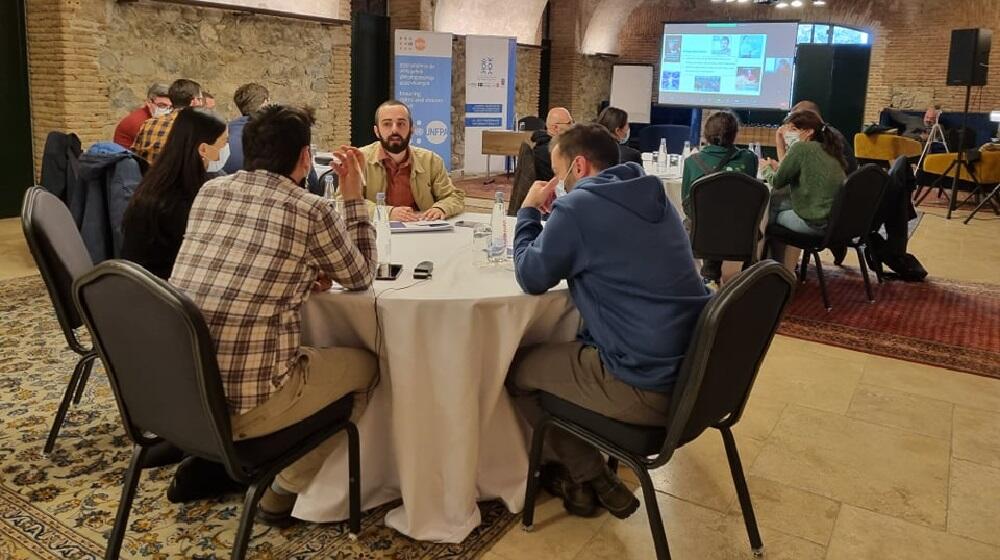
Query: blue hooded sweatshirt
[{"x": 631, "y": 273}]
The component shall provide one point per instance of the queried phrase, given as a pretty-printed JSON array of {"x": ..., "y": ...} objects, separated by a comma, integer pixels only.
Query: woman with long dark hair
[
  {"x": 811, "y": 172},
  {"x": 154, "y": 222},
  {"x": 616, "y": 121}
]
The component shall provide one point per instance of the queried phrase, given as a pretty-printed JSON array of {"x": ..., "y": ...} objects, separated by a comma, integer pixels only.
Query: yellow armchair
[
  {"x": 885, "y": 147},
  {"x": 987, "y": 169}
]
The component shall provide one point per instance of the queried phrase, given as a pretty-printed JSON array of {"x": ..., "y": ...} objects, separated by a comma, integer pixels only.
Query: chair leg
[
  {"x": 74, "y": 380},
  {"x": 125, "y": 504},
  {"x": 653, "y": 515},
  {"x": 354, "y": 482},
  {"x": 822, "y": 281},
  {"x": 534, "y": 475},
  {"x": 740, "y": 481},
  {"x": 250, "y": 500},
  {"x": 804, "y": 267},
  {"x": 83, "y": 379},
  {"x": 864, "y": 274}
]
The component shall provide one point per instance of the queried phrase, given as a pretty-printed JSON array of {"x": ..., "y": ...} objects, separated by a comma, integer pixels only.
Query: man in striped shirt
[{"x": 256, "y": 245}]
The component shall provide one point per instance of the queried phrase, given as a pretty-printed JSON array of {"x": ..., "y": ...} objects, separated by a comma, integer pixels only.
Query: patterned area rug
[
  {"x": 63, "y": 506},
  {"x": 937, "y": 322}
]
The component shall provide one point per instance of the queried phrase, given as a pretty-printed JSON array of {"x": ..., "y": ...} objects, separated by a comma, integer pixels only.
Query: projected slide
[{"x": 741, "y": 65}]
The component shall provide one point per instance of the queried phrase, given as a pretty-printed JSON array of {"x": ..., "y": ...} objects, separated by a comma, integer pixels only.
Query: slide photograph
[{"x": 741, "y": 65}]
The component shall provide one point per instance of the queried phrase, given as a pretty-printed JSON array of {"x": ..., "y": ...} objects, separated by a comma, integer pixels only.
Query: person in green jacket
[
  {"x": 811, "y": 172},
  {"x": 720, "y": 154},
  {"x": 808, "y": 176}
]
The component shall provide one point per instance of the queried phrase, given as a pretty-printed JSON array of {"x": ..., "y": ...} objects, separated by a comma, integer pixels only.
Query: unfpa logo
[{"x": 436, "y": 132}]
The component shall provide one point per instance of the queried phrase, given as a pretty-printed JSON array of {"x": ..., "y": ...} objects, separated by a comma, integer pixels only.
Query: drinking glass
[
  {"x": 481, "y": 236},
  {"x": 674, "y": 165}
]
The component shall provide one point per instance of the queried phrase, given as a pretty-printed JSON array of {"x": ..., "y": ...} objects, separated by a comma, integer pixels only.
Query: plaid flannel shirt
[
  {"x": 255, "y": 243},
  {"x": 153, "y": 135}
]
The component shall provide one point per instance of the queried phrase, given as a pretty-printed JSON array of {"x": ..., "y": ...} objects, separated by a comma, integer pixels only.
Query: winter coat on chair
[
  {"x": 60, "y": 164},
  {"x": 109, "y": 174}
]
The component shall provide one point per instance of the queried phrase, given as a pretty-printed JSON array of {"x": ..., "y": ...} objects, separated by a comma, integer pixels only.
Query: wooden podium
[{"x": 505, "y": 143}]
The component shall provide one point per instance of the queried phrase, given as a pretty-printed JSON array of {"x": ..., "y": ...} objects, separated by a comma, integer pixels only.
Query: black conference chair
[
  {"x": 524, "y": 177},
  {"x": 161, "y": 363},
  {"x": 850, "y": 223},
  {"x": 727, "y": 347},
  {"x": 61, "y": 257},
  {"x": 727, "y": 209},
  {"x": 676, "y": 135},
  {"x": 530, "y": 123}
]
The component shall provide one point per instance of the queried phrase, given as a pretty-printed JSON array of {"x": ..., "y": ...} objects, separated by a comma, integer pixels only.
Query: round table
[
  {"x": 440, "y": 431},
  {"x": 672, "y": 186}
]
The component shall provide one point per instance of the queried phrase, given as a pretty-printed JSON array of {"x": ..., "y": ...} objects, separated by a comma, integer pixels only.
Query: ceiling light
[
  {"x": 819, "y": 2},
  {"x": 743, "y": 1},
  {"x": 781, "y": 5},
  {"x": 796, "y": 3}
]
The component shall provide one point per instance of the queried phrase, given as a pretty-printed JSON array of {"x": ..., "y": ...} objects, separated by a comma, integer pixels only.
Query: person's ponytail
[{"x": 832, "y": 144}]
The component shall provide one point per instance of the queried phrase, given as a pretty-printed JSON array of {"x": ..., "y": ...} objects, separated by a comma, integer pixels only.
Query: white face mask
[
  {"x": 161, "y": 111},
  {"x": 561, "y": 185},
  {"x": 791, "y": 138},
  {"x": 628, "y": 134},
  {"x": 217, "y": 165}
]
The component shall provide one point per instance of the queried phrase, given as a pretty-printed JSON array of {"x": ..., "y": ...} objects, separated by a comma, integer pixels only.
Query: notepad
[{"x": 420, "y": 227}]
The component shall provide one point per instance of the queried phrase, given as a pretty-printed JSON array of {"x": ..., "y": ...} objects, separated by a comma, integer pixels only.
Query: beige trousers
[
  {"x": 322, "y": 377},
  {"x": 574, "y": 372}
]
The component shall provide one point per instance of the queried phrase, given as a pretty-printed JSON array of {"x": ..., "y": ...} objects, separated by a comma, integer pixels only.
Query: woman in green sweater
[{"x": 810, "y": 173}]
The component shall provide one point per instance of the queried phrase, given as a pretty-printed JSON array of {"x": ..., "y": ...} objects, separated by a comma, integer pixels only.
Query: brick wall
[
  {"x": 910, "y": 42},
  {"x": 84, "y": 78}
]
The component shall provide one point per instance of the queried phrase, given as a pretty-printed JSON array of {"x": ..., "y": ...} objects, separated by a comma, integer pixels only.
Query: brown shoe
[{"x": 275, "y": 509}]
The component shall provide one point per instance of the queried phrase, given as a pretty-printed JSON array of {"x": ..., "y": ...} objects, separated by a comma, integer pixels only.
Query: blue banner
[{"x": 423, "y": 82}]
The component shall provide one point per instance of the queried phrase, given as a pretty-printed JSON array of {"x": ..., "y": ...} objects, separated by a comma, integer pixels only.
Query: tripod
[
  {"x": 936, "y": 136},
  {"x": 960, "y": 163}
]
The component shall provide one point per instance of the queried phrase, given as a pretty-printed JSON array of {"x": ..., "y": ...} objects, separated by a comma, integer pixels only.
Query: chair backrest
[
  {"x": 159, "y": 357},
  {"x": 531, "y": 123},
  {"x": 855, "y": 206},
  {"x": 524, "y": 177},
  {"x": 727, "y": 348},
  {"x": 726, "y": 213},
  {"x": 676, "y": 135},
  {"x": 59, "y": 253}
]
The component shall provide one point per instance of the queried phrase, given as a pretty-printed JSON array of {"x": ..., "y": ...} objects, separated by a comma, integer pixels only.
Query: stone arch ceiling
[
  {"x": 518, "y": 18},
  {"x": 608, "y": 17}
]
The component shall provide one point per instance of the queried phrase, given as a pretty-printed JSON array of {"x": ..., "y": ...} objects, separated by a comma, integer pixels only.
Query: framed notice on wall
[{"x": 312, "y": 9}]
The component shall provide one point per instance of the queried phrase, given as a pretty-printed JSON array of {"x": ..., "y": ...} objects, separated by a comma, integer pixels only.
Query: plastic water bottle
[
  {"x": 383, "y": 234},
  {"x": 687, "y": 149},
  {"x": 498, "y": 223},
  {"x": 662, "y": 154}
]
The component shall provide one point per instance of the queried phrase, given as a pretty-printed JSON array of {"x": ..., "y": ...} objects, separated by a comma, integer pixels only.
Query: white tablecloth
[
  {"x": 440, "y": 431},
  {"x": 672, "y": 185}
]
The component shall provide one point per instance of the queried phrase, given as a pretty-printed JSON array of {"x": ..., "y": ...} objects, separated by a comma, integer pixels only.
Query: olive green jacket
[{"x": 429, "y": 181}]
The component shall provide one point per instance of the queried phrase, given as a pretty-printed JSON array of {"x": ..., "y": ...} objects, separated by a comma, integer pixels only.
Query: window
[
  {"x": 805, "y": 33},
  {"x": 826, "y": 34}
]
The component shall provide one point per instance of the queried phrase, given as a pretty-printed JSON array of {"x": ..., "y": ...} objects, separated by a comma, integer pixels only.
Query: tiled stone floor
[{"x": 849, "y": 456}]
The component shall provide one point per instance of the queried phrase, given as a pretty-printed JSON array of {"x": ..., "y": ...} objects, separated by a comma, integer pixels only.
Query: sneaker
[
  {"x": 614, "y": 495},
  {"x": 275, "y": 509},
  {"x": 578, "y": 499},
  {"x": 198, "y": 479}
]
